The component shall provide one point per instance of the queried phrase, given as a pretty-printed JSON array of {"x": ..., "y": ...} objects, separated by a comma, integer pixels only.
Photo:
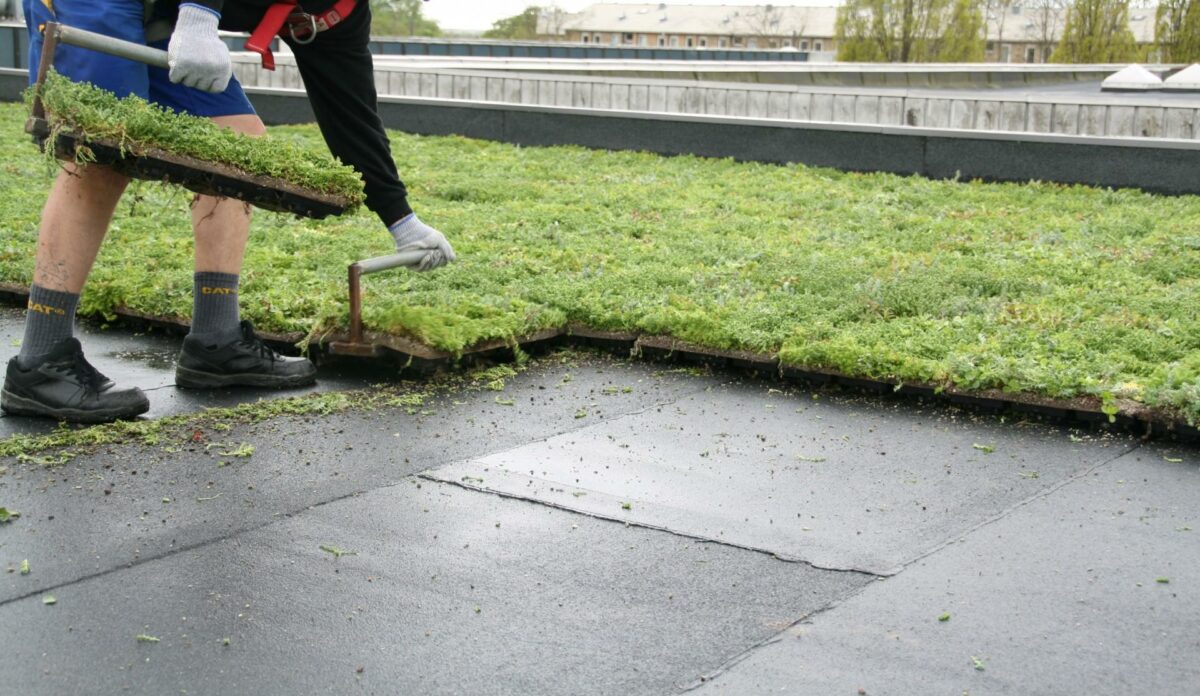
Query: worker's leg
[
  {"x": 221, "y": 350},
  {"x": 74, "y": 222},
  {"x": 82, "y": 200},
  {"x": 50, "y": 376},
  {"x": 221, "y": 226}
]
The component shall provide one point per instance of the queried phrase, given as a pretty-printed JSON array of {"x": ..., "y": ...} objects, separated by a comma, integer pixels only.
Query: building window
[
  {"x": 991, "y": 47},
  {"x": 690, "y": 42},
  {"x": 586, "y": 38},
  {"x": 662, "y": 40},
  {"x": 703, "y": 42},
  {"x": 596, "y": 38},
  {"x": 817, "y": 46},
  {"x": 1030, "y": 55},
  {"x": 642, "y": 40},
  {"x": 1006, "y": 54},
  {"x": 629, "y": 38},
  {"x": 722, "y": 43},
  {"x": 753, "y": 43},
  {"x": 674, "y": 42},
  {"x": 803, "y": 45}
]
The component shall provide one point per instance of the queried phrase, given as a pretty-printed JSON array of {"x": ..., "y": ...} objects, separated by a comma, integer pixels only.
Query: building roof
[
  {"x": 1030, "y": 24},
  {"x": 711, "y": 20},
  {"x": 1020, "y": 23}
]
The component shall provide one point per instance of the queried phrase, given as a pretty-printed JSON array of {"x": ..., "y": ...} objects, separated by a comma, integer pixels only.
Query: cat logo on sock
[{"x": 46, "y": 309}]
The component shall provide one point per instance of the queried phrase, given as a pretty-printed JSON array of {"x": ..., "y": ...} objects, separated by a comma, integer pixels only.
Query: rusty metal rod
[
  {"x": 49, "y": 46},
  {"x": 373, "y": 265}
]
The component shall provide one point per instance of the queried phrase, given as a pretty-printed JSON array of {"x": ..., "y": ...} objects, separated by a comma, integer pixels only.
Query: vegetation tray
[
  {"x": 1037, "y": 295},
  {"x": 201, "y": 177}
]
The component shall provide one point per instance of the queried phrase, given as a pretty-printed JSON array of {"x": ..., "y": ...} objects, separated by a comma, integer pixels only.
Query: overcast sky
[{"x": 479, "y": 14}]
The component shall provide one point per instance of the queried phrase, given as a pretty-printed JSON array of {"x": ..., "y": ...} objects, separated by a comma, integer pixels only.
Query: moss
[
  {"x": 1059, "y": 291},
  {"x": 136, "y": 124}
]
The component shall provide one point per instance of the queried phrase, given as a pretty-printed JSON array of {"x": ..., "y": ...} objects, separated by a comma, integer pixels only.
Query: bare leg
[
  {"x": 51, "y": 378},
  {"x": 222, "y": 225},
  {"x": 209, "y": 359},
  {"x": 74, "y": 223}
]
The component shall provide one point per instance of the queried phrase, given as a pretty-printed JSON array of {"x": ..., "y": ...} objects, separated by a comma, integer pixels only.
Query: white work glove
[
  {"x": 197, "y": 56},
  {"x": 413, "y": 235}
]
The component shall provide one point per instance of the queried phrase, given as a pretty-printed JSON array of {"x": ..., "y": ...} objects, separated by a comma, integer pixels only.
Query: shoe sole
[
  {"x": 196, "y": 379},
  {"x": 19, "y": 406}
]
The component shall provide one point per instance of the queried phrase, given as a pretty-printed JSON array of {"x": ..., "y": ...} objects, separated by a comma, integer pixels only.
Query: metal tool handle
[
  {"x": 107, "y": 44},
  {"x": 373, "y": 265},
  {"x": 383, "y": 263}
]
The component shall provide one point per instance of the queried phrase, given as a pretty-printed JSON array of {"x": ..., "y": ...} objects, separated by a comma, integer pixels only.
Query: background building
[
  {"x": 692, "y": 26},
  {"x": 1017, "y": 32}
]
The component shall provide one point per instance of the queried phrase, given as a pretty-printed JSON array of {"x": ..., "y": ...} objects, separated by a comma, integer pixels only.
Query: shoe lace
[
  {"x": 82, "y": 370},
  {"x": 253, "y": 343}
]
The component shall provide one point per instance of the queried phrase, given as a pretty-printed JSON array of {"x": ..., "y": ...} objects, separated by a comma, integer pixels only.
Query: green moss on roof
[
  {"x": 136, "y": 124},
  {"x": 1058, "y": 291}
]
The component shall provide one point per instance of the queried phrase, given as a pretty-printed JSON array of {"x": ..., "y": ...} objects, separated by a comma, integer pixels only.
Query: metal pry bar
[
  {"x": 356, "y": 271},
  {"x": 107, "y": 44}
]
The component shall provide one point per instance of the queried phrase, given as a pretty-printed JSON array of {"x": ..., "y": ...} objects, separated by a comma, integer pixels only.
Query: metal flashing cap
[
  {"x": 1134, "y": 78},
  {"x": 1186, "y": 80}
]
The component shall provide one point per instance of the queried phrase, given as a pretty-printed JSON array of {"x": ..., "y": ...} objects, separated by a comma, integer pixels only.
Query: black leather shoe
[
  {"x": 65, "y": 386},
  {"x": 242, "y": 361}
]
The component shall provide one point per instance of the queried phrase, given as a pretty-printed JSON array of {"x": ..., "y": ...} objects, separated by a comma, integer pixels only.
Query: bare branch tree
[
  {"x": 997, "y": 13},
  {"x": 1047, "y": 18},
  {"x": 762, "y": 22}
]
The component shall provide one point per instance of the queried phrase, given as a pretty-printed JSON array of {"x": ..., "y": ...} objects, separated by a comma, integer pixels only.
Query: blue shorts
[{"x": 123, "y": 19}]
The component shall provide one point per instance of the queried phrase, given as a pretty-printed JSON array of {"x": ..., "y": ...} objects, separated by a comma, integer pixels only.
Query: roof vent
[
  {"x": 1135, "y": 78},
  {"x": 1186, "y": 80}
]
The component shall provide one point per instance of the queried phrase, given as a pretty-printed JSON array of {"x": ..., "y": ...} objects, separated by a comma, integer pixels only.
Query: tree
[
  {"x": 552, "y": 19},
  {"x": 1177, "y": 31},
  {"x": 401, "y": 18},
  {"x": 910, "y": 31},
  {"x": 1096, "y": 31},
  {"x": 998, "y": 12},
  {"x": 964, "y": 39},
  {"x": 1046, "y": 16},
  {"x": 522, "y": 26},
  {"x": 763, "y": 23}
]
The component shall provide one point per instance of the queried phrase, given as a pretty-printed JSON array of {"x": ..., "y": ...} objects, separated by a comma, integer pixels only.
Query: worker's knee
[
  {"x": 93, "y": 177},
  {"x": 249, "y": 124}
]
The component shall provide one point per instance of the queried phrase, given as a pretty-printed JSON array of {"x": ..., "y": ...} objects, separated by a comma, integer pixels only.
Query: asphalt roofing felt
[{"x": 596, "y": 525}]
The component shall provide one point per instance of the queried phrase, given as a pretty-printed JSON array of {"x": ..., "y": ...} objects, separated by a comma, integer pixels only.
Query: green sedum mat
[
  {"x": 133, "y": 121},
  {"x": 1042, "y": 289}
]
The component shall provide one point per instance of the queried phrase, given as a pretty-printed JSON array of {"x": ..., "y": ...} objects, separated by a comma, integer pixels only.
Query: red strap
[
  {"x": 336, "y": 14},
  {"x": 302, "y": 24},
  {"x": 266, "y": 31}
]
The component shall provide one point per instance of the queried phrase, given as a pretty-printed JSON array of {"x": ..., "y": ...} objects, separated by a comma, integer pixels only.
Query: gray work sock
[
  {"x": 49, "y": 319},
  {"x": 215, "y": 303}
]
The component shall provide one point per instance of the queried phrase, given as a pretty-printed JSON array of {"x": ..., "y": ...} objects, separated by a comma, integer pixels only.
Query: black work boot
[
  {"x": 65, "y": 386},
  {"x": 241, "y": 360}
]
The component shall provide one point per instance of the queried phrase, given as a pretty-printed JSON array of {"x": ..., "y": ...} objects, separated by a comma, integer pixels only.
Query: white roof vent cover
[
  {"x": 1187, "y": 79},
  {"x": 1135, "y": 78}
]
